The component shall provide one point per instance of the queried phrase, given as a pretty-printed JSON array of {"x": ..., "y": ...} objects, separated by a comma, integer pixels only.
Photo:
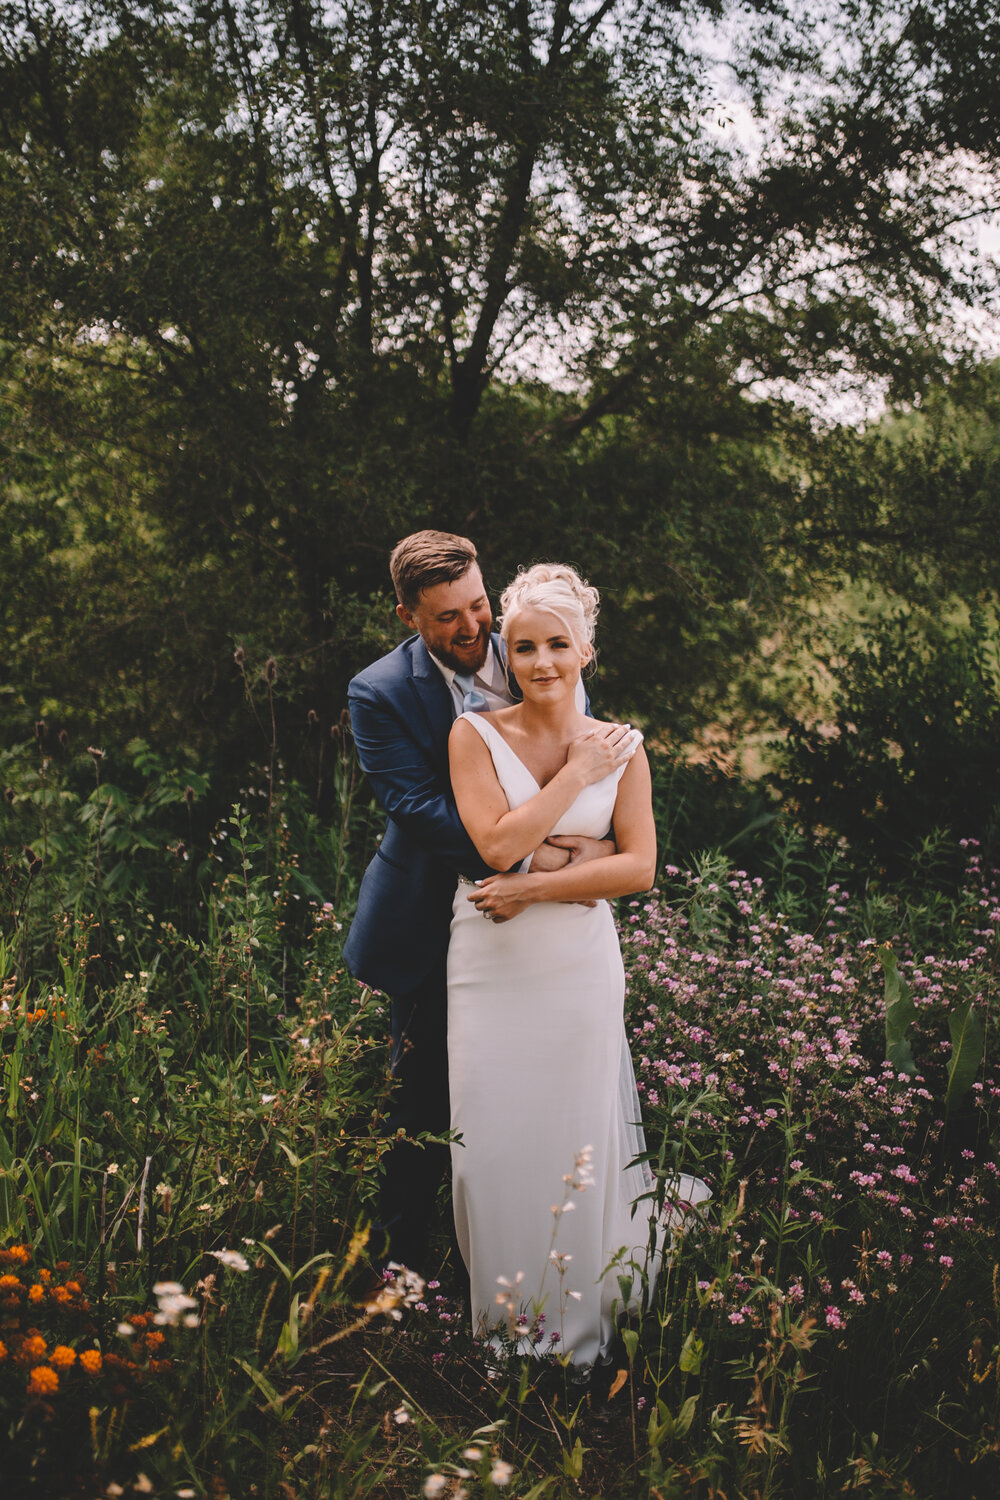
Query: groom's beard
[{"x": 472, "y": 657}]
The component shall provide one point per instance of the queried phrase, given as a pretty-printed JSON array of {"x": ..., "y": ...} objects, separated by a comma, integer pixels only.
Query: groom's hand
[
  {"x": 580, "y": 848},
  {"x": 547, "y": 858}
]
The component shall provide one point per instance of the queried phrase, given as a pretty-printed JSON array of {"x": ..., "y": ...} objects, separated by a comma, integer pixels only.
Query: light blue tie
[{"x": 473, "y": 701}]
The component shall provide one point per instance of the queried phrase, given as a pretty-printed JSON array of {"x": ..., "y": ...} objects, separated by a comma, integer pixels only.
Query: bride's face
[{"x": 545, "y": 658}]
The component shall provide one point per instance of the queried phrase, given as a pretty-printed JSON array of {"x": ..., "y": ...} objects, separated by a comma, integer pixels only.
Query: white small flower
[
  {"x": 231, "y": 1258},
  {"x": 223, "y": 1181},
  {"x": 168, "y": 1289},
  {"x": 126, "y": 1330},
  {"x": 401, "y": 1416},
  {"x": 268, "y": 1098},
  {"x": 501, "y": 1473},
  {"x": 472, "y": 1454},
  {"x": 435, "y": 1485},
  {"x": 111, "y": 1168}
]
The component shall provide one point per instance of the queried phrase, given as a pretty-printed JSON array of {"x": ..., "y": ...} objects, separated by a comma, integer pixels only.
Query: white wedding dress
[{"x": 540, "y": 1071}]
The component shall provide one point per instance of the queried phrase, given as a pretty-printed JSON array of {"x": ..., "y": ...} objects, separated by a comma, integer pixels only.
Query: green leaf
[
  {"x": 573, "y": 1461},
  {"x": 899, "y": 1012},
  {"x": 691, "y": 1353},
  {"x": 967, "y": 1044},
  {"x": 631, "y": 1341},
  {"x": 684, "y": 1418}
]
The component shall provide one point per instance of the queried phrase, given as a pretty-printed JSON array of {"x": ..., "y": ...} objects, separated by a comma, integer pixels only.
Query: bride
[{"x": 543, "y": 1095}]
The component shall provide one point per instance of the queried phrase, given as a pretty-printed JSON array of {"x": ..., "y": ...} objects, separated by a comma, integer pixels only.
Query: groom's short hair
[{"x": 428, "y": 557}]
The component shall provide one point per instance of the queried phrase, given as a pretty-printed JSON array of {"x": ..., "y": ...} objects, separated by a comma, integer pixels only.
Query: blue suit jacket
[{"x": 401, "y": 716}]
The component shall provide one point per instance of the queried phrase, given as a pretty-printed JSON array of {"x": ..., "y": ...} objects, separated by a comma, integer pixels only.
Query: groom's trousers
[{"x": 412, "y": 1173}]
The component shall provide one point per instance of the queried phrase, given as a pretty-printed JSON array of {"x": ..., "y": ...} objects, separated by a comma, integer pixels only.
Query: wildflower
[
  {"x": 91, "y": 1361},
  {"x": 501, "y": 1472},
  {"x": 34, "y": 1349},
  {"x": 232, "y": 1259},
  {"x": 43, "y": 1381},
  {"x": 63, "y": 1356},
  {"x": 3, "y": 1351},
  {"x": 401, "y": 1416},
  {"x": 434, "y": 1485},
  {"x": 36, "y": 1292},
  {"x": 112, "y": 1169},
  {"x": 473, "y": 1455}
]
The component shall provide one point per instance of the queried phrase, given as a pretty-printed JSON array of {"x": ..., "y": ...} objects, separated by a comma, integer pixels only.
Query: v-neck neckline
[{"x": 509, "y": 747}]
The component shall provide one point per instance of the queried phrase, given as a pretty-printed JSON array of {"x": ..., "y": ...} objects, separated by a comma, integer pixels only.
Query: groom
[{"x": 402, "y": 709}]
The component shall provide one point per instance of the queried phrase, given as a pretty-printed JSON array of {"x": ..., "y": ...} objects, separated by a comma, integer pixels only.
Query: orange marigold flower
[
  {"x": 9, "y": 1281},
  {"x": 74, "y": 1287},
  {"x": 36, "y": 1293},
  {"x": 33, "y": 1349},
  {"x": 63, "y": 1265},
  {"x": 18, "y": 1255},
  {"x": 91, "y": 1361},
  {"x": 154, "y": 1339},
  {"x": 60, "y": 1294},
  {"x": 43, "y": 1381},
  {"x": 44, "y": 1275},
  {"x": 3, "y": 1350},
  {"x": 139, "y": 1320},
  {"x": 63, "y": 1356}
]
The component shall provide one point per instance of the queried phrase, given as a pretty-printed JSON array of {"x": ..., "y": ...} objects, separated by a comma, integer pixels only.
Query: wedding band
[{"x": 488, "y": 915}]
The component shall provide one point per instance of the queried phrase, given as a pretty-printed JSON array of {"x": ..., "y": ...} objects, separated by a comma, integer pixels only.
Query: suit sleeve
[{"x": 406, "y": 783}]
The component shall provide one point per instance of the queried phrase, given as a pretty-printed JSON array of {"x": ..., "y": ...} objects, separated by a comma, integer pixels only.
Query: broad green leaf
[
  {"x": 684, "y": 1418},
  {"x": 967, "y": 1044},
  {"x": 691, "y": 1353},
  {"x": 899, "y": 1012}
]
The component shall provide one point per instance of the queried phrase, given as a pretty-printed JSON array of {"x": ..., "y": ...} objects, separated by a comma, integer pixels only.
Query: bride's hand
[
  {"x": 501, "y": 897},
  {"x": 598, "y": 752}
]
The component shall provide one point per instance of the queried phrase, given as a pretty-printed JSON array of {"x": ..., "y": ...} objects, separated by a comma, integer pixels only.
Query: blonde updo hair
[{"x": 559, "y": 590}]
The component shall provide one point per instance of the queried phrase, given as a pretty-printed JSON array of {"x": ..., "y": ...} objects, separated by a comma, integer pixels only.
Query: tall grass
[{"x": 190, "y": 1136}]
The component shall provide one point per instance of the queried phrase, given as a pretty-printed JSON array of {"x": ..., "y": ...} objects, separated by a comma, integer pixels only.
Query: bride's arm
[
  {"x": 632, "y": 868},
  {"x": 504, "y": 836}
]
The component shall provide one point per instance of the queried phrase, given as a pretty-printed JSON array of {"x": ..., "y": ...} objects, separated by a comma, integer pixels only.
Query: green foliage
[
  {"x": 899, "y": 1012},
  {"x": 189, "y": 1072},
  {"x": 910, "y": 741}
]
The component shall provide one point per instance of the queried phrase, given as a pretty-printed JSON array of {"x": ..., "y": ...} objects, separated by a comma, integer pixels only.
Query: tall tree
[{"x": 264, "y": 261}]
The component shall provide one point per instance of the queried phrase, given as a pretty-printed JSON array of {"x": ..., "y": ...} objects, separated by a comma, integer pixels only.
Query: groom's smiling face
[{"x": 453, "y": 620}]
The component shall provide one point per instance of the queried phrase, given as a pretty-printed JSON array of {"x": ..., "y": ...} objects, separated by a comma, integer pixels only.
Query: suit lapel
[{"x": 434, "y": 699}]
